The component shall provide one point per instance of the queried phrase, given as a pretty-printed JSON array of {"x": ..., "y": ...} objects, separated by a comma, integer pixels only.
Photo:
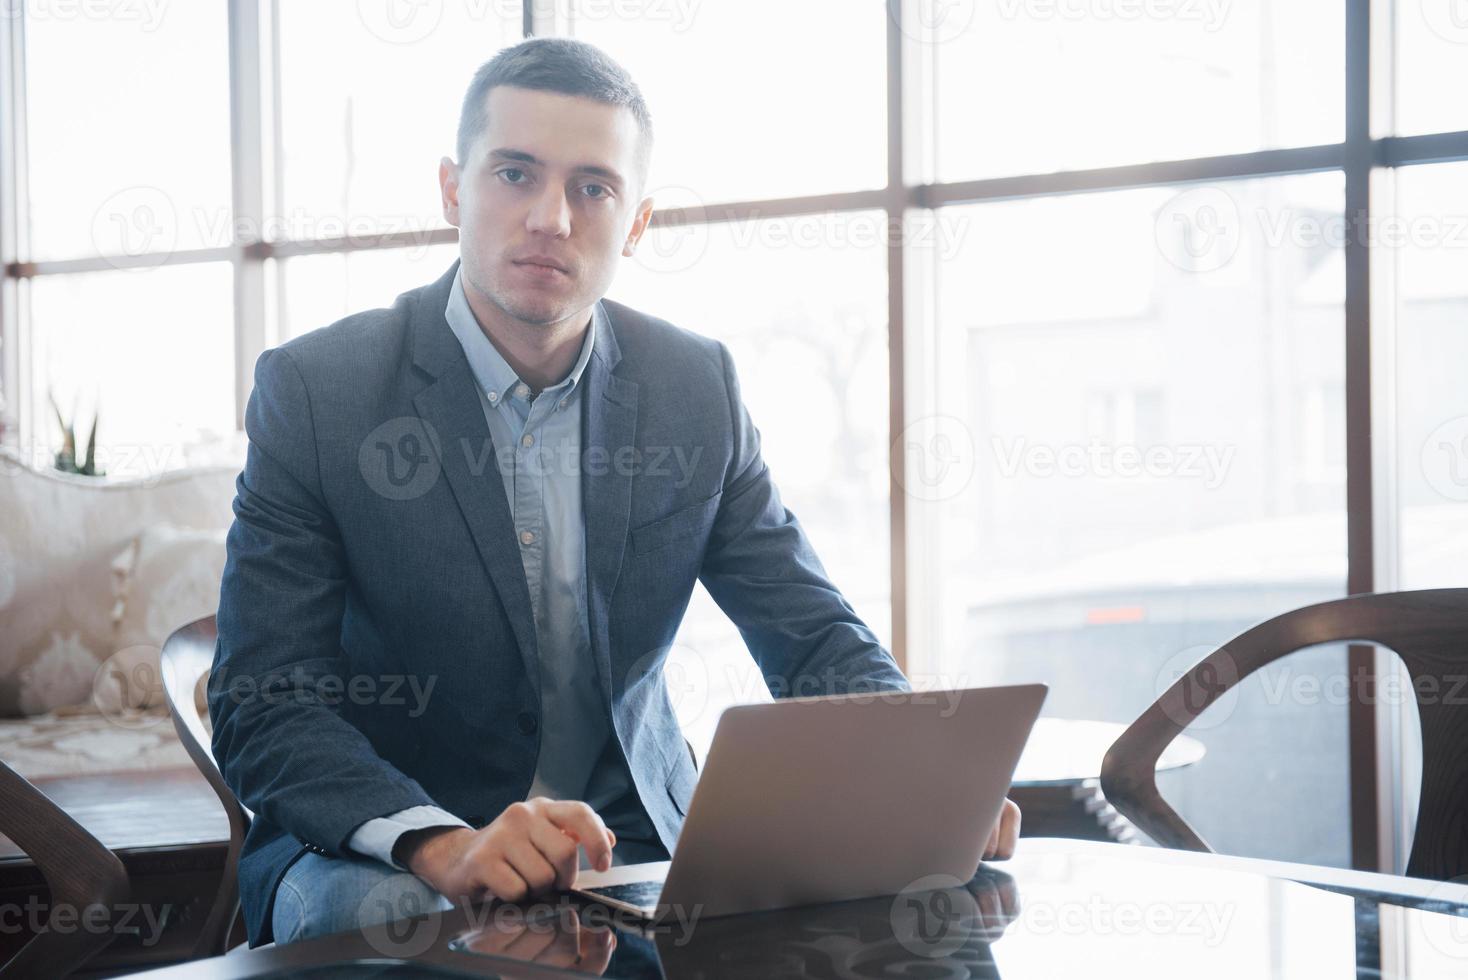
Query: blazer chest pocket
[{"x": 681, "y": 525}]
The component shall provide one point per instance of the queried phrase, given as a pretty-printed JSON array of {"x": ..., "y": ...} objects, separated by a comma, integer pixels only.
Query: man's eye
[
  {"x": 602, "y": 191},
  {"x": 512, "y": 170}
]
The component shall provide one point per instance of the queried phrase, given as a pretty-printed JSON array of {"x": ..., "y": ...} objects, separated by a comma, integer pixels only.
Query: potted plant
[{"x": 66, "y": 460}]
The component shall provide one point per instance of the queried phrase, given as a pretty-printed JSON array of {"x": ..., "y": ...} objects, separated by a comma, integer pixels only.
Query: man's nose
[{"x": 550, "y": 213}]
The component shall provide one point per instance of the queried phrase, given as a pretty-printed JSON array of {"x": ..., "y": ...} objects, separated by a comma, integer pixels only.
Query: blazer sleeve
[
  {"x": 762, "y": 571},
  {"x": 279, "y": 738}
]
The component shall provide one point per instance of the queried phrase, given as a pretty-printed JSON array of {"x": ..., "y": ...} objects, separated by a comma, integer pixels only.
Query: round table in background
[{"x": 1057, "y": 783}]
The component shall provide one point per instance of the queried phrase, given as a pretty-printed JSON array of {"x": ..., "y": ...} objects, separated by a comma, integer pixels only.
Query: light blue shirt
[{"x": 537, "y": 447}]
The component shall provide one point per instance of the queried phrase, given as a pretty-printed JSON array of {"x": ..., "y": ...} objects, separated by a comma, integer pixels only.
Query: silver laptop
[{"x": 826, "y": 799}]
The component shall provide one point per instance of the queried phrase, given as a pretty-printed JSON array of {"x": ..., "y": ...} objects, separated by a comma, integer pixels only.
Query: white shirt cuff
[{"x": 377, "y": 837}]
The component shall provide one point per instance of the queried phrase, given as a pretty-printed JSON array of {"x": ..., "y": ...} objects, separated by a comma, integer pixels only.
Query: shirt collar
[{"x": 491, "y": 371}]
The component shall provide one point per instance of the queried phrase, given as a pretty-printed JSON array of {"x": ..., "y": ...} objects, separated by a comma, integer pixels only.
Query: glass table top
[{"x": 1060, "y": 908}]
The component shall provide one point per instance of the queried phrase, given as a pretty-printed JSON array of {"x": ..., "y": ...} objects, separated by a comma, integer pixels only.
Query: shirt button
[
  {"x": 494, "y": 396},
  {"x": 562, "y": 404},
  {"x": 526, "y": 722},
  {"x": 526, "y": 537},
  {"x": 522, "y": 391},
  {"x": 527, "y": 440}
]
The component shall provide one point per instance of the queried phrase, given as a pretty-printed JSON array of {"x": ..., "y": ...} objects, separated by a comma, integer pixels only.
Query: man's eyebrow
[{"x": 506, "y": 153}]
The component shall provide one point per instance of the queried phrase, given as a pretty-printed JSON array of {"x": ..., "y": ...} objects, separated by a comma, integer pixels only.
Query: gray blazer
[{"x": 372, "y": 555}]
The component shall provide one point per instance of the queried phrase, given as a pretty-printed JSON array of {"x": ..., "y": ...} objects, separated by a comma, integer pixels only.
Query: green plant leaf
[{"x": 90, "y": 466}]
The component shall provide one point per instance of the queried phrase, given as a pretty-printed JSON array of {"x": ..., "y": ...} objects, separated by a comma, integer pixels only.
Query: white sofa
[{"x": 94, "y": 574}]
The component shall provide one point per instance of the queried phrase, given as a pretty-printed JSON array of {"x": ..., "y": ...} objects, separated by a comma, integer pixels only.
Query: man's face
[{"x": 553, "y": 177}]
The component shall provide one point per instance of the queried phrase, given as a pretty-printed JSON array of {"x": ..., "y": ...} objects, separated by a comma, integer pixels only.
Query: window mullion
[{"x": 248, "y": 32}]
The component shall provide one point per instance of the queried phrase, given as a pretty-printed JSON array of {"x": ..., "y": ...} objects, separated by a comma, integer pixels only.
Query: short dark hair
[{"x": 554, "y": 64}]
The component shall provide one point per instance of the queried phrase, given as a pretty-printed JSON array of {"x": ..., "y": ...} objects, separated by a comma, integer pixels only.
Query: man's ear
[
  {"x": 639, "y": 225},
  {"x": 448, "y": 190}
]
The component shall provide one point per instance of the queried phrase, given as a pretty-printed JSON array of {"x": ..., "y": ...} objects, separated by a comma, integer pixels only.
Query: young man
[{"x": 467, "y": 530}]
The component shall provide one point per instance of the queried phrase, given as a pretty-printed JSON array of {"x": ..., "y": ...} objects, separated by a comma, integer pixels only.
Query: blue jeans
[{"x": 321, "y": 895}]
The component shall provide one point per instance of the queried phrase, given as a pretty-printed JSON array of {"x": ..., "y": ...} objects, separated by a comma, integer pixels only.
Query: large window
[
  {"x": 1030, "y": 87},
  {"x": 1432, "y": 50},
  {"x": 369, "y": 102},
  {"x": 149, "y": 354},
  {"x": 770, "y": 83},
  {"x": 1080, "y": 336},
  {"x": 123, "y": 159},
  {"x": 1151, "y": 458},
  {"x": 1431, "y": 401}
]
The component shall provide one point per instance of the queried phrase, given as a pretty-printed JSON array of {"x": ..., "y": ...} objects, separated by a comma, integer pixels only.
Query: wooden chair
[
  {"x": 188, "y": 656},
  {"x": 1427, "y": 629},
  {"x": 80, "y": 872}
]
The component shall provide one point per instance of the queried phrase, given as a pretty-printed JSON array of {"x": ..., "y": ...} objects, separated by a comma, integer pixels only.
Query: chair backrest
[
  {"x": 1428, "y": 629},
  {"x": 80, "y": 872},
  {"x": 188, "y": 656}
]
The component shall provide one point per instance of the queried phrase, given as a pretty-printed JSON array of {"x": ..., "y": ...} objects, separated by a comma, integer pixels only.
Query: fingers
[
  {"x": 538, "y": 873},
  {"x": 1005, "y": 836},
  {"x": 534, "y": 847},
  {"x": 559, "y": 849},
  {"x": 584, "y": 825},
  {"x": 504, "y": 882},
  {"x": 1007, "y": 833}
]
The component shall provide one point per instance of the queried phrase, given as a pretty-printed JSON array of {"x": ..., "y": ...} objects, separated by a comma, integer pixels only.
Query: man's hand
[
  {"x": 530, "y": 849},
  {"x": 1005, "y": 835}
]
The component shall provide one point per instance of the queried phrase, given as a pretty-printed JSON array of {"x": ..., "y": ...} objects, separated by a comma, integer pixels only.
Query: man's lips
[{"x": 542, "y": 262}]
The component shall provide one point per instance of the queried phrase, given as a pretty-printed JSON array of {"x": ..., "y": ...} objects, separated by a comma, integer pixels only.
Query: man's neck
[{"x": 541, "y": 355}]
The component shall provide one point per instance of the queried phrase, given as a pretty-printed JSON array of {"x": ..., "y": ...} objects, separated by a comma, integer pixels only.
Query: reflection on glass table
[{"x": 1061, "y": 908}]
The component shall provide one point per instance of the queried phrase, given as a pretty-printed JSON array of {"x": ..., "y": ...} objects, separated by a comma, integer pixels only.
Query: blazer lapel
[
  {"x": 450, "y": 405},
  {"x": 609, "y": 457}
]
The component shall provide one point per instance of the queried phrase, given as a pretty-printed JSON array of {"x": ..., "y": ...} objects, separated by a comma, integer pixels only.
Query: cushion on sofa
[
  {"x": 60, "y": 536},
  {"x": 165, "y": 577}
]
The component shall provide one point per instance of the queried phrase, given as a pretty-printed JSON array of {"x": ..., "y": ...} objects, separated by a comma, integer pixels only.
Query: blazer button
[{"x": 526, "y": 723}]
